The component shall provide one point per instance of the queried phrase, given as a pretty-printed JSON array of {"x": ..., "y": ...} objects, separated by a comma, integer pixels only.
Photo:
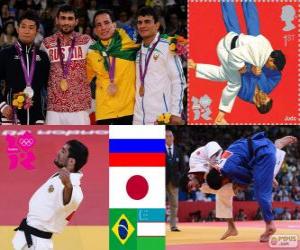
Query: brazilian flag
[
  {"x": 121, "y": 46},
  {"x": 123, "y": 232}
]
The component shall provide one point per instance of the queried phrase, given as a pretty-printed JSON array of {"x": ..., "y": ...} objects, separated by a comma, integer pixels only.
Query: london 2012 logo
[{"x": 19, "y": 151}]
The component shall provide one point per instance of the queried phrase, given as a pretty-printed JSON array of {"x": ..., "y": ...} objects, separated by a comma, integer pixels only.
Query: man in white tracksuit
[
  {"x": 160, "y": 80},
  {"x": 52, "y": 206},
  {"x": 239, "y": 53},
  {"x": 200, "y": 163}
]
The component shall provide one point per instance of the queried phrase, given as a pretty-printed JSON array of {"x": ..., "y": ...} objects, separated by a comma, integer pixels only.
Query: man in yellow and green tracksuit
[{"x": 112, "y": 61}]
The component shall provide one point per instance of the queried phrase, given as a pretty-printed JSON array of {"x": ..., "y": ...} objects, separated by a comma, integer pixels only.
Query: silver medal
[{"x": 29, "y": 91}]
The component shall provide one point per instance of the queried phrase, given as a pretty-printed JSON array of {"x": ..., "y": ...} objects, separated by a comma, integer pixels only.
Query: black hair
[
  {"x": 104, "y": 11},
  {"x": 67, "y": 8},
  {"x": 147, "y": 11},
  {"x": 214, "y": 179},
  {"x": 32, "y": 16},
  {"x": 279, "y": 59},
  {"x": 265, "y": 108},
  {"x": 79, "y": 152}
]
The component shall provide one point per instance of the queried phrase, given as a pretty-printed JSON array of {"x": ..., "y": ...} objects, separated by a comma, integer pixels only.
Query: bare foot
[
  {"x": 284, "y": 141},
  {"x": 266, "y": 235},
  {"x": 220, "y": 119},
  {"x": 221, "y": 122},
  {"x": 229, "y": 232}
]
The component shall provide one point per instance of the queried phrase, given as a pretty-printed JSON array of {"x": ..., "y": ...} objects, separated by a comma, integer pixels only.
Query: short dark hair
[
  {"x": 104, "y": 11},
  {"x": 30, "y": 15},
  {"x": 214, "y": 179},
  {"x": 147, "y": 11},
  {"x": 265, "y": 108},
  {"x": 79, "y": 152},
  {"x": 279, "y": 59},
  {"x": 67, "y": 8}
]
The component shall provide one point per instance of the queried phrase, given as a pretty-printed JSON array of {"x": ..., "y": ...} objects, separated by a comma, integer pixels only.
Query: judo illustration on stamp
[{"x": 243, "y": 62}]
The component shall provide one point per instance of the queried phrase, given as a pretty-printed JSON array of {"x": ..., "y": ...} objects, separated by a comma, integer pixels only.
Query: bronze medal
[
  {"x": 142, "y": 91},
  {"x": 112, "y": 89},
  {"x": 50, "y": 189},
  {"x": 64, "y": 85}
]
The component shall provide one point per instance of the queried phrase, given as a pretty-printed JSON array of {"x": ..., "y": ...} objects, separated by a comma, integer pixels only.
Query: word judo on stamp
[{"x": 243, "y": 62}]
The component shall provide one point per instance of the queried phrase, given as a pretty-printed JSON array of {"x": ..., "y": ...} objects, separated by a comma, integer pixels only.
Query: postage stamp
[{"x": 244, "y": 62}]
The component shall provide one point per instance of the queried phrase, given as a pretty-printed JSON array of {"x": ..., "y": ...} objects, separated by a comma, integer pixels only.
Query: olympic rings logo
[{"x": 26, "y": 142}]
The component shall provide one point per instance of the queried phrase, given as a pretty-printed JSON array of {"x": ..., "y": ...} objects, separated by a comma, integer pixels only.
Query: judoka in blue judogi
[{"x": 245, "y": 161}]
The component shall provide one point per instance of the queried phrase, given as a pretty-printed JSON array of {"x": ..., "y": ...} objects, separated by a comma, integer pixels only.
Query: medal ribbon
[
  {"x": 111, "y": 68},
  {"x": 147, "y": 61},
  {"x": 27, "y": 75},
  {"x": 65, "y": 67}
]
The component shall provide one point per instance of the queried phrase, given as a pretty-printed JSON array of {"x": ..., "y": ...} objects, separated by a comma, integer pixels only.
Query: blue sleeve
[
  {"x": 247, "y": 89},
  {"x": 267, "y": 82},
  {"x": 237, "y": 174}
]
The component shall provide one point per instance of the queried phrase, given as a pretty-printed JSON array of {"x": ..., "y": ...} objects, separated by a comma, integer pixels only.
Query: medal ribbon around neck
[
  {"x": 147, "y": 61},
  {"x": 28, "y": 75},
  {"x": 111, "y": 68},
  {"x": 65, "y": 66}
]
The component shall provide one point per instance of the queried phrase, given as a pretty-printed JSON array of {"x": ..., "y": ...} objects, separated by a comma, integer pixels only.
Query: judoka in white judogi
[{"x": 54, "y": 203}]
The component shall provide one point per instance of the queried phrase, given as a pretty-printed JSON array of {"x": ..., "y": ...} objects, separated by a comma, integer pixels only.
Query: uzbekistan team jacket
[
  {"x": 11, "y": 72},
  {"x": 164, "y": 84}
]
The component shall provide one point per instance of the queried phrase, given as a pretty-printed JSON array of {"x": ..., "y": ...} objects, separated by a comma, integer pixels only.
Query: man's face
[
  {"x": 104, "y": 27},
  {"x": 62, "y": 157},
  {"x": 4, "y": 9},
  {"x": 169, "y": 138},
  {"x": 27, "y": 31},
  {"x": 66, "y": 22},
  {"x": 147, "y": 27},
  {"x": 260, "y": 98},
  {"x": 270, "y": 64}
]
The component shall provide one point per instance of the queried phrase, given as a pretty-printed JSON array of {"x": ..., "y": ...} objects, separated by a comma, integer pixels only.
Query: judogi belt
[
  {"x": 28, "y": 231},
  {"x": 233, "y": 42},
  {"x": 250, "y": 147}
]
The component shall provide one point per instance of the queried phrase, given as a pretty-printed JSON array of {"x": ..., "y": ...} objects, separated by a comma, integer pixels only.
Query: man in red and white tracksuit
[{"x": 69, "y": 94}]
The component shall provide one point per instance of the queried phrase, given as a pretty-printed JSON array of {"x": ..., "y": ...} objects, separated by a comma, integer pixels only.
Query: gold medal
[
  {"x": 112, "y": 89},
  {"x": 50, "y": 189},
  {"x": 142, "y": 90},
  {"x": 64, "y": 84}
]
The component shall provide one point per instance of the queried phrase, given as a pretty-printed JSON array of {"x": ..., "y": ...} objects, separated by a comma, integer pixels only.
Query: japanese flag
[{"x": 137, "y": 187}]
